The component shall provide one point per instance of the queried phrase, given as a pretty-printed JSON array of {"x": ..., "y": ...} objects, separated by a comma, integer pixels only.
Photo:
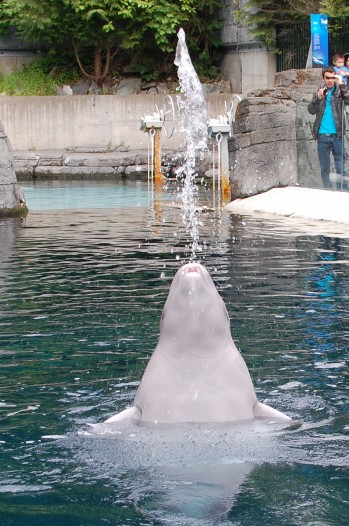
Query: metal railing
[{"x": 293, "y": 41}]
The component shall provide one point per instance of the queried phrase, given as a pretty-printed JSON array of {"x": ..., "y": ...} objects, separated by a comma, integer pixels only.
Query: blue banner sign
[{"x": 319, "y": 40}]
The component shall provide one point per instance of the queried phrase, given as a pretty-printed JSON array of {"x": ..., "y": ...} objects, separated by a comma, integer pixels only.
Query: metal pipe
[{"x": 157, "y": 156}]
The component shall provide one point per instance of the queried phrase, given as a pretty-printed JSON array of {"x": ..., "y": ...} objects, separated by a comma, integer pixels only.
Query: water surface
[{"x": 83, "y": 281}]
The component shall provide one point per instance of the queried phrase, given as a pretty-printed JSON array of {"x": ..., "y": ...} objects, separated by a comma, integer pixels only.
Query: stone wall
[
  {"x": 11, "y": 198},
  {"x": 263, "y": 151},
  {"x": 272, "y": 144},
  {"x": 95, "y": 163},
  {"x": 301, "y": 85}
]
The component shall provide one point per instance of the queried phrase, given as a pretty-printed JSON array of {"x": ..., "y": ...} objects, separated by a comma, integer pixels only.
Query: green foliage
[
  {"x": 36, "y": 79},
  {"x": 108, "y": 28},
  {"x": 202, "y": 30},
  {"x": 203, "y": 38},
  {"x": 334, "y": 8},
  {"x": 261, "y": 17}
]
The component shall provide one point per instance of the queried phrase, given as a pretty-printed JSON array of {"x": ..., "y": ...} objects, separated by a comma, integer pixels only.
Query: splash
[{"x": 193, "y": 122}]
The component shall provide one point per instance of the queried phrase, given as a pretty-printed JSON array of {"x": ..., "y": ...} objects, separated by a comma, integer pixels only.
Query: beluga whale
[{"x": 196, "y": 373}]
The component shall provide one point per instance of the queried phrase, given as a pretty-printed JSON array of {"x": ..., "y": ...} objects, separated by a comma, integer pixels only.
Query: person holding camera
[{"x": 329, "y": 125}]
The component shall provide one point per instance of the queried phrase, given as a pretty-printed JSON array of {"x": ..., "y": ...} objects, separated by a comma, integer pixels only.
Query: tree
[
  {"x": 334, "y": 8},
  {"x": 109, "y": 27},
  {"x": 262, "y": 16}
]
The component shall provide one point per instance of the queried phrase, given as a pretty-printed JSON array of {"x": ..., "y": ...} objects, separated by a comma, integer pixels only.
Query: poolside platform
[{"x": 296, "y": 202}]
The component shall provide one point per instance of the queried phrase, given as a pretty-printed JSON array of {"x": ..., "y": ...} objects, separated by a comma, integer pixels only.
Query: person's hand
[
  {"x": 321, "y": 93},
  {"x": 339, "y": 79}
]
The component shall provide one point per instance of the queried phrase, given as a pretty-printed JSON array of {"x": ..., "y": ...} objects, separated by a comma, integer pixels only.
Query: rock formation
[
  {"x": 272, "y": 144},
  {"x": 12, "y": 201},
  {"x": 263, "y": 151}
]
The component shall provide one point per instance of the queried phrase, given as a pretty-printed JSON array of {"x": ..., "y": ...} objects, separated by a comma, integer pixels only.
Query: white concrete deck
[{"x": 331, "y": 208}]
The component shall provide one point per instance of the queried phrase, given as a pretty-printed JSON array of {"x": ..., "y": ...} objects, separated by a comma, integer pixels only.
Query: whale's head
[
  {"x": 196, "y": 373},
  {"x": 194, "y": 314}
]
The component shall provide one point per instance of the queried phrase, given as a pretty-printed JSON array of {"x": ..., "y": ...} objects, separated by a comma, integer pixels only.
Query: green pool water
[{"x": 83, "y": 280}]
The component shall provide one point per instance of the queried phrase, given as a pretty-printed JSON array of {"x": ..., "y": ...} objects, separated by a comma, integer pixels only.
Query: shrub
[{"x": 35, "y": 79}]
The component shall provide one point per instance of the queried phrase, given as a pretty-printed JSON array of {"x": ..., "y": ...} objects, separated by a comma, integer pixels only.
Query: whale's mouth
[
  {"x": 193, "y": 276},
  {"x": 194, "y": 271},
  {"x": 193, "y": 268}
]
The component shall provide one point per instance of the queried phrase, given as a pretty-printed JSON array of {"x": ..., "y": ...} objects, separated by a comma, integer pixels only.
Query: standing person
[
  {"x": 340, "y": 66},
  {"x": 327, "y": 105}
]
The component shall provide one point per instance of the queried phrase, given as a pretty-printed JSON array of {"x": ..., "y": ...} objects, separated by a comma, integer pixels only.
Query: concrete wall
[
  {"x": 246, "y": 63},
  {"x": 65, "y": 122},
  {"x": 12, "y": 61},
  {"x": 15, "y": 53},
  {"x": 249, "y": 69}
]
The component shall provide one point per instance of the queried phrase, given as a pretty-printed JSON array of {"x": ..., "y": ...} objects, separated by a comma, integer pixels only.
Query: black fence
[{"x": 293, "y": 42}]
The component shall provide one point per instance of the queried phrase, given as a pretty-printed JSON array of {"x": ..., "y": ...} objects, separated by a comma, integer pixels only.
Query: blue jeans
[{"x": 325, "y": 145}]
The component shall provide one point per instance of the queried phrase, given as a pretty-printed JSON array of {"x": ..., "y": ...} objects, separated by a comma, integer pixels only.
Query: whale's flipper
[
  {"x": 265, "y": 411},
  {"x": 131, "y": 413}
]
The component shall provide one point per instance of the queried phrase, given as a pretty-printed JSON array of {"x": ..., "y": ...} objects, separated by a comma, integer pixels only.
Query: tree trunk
[
  {"x": 100, "y": 71},
  {"x": 98, "y": 67}
]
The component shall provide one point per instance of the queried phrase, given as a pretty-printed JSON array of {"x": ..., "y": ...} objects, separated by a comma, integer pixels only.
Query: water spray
[{"x": 192, "y": 115}]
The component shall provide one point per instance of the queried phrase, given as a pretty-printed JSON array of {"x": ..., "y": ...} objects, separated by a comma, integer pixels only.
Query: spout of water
[
  {"x": 193, "y": 118},
  {"x": 192, "y": 103}
]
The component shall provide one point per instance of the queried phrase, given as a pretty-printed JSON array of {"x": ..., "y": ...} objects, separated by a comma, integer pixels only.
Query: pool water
[{"x": 83, "y": 280}]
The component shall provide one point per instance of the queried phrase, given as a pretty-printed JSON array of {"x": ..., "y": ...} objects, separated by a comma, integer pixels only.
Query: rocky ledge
[
  {"x": 135, "y": 86},
  {"x": 12, "y": 201},
  {"x": 93, "y": 163}
]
